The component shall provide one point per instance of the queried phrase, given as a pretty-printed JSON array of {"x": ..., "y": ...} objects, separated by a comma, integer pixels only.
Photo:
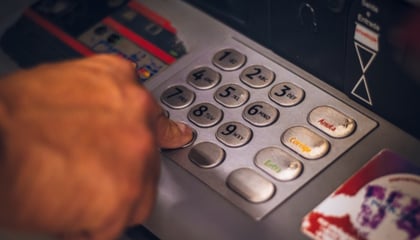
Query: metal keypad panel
[{"x": 262, "y": 131}]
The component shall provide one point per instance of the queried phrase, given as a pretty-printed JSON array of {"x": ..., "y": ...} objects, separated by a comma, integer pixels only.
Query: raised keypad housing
[{"x": 262, "y": 130}]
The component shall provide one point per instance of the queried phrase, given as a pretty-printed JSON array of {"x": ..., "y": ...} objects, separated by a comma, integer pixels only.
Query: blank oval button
[
  {"x": 305, "y": 142},
  {"x": 332, "y": 122},
  {"x": 206, "y": 155},
  {"x": 250, "y": 185}
]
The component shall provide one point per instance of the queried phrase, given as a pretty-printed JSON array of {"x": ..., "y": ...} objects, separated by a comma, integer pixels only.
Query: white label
[{"x": 366, "y": 37}]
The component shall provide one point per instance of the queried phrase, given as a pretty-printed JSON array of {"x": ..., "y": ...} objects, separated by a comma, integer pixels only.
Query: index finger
[{"x": 169, "y": 134}]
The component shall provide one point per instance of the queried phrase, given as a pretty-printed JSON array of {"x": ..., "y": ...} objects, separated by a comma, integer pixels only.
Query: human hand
[{"x": 79, "y": 148}]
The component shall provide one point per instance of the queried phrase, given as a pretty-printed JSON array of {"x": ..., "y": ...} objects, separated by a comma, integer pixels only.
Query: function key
[
  {"x": 278, "y": 164},
  {"x": 234, "y": 134},
  {"x": 205, "y": 115},
  {"x": 250, "y": 185},
  {"x": 177, "y": 97},
  {"x": 231, "y": 95},
  {"x": 332, "y": 122},
  {"x": 257, "y": 76},
  {"x": 305, "y": 142},
  {"x": 286, "y": 94},
  {"x": 207, "y": 155},
  {"x": 203, "y": 78},
  {"x": 229, "y": 59},
  {"x": 260, "y": 114}
]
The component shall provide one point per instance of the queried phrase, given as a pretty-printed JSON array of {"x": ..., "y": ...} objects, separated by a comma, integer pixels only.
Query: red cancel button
[{"x": 332, "y": 122}]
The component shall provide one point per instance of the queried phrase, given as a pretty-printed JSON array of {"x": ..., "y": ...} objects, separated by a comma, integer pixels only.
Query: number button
[
  {"x": 286, "y": 94},
  {"x": 229, "y": 59},
  {"x": 234, "y": 134},
  {"x": 203, "y": 78},
  {"x": 231, "y": 95},
  {"x": 177, "y": 97},
  {"x": 205, "y": 115},
  {"x": 260, "y": 114},
  {"x": 257, "y": 76}
]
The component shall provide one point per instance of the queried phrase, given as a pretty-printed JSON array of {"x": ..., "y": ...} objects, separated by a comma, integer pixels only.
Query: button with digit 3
[{"x": 286, "y": 94}]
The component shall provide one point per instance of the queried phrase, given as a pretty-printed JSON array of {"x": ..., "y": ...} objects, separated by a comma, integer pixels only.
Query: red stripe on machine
[
  {"x": 58, "y": 33},
  {"x": 126, "y": 32},
  {"x": 154, "y": 17}
]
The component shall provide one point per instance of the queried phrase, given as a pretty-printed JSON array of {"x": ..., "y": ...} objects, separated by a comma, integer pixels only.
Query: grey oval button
[
  {"x": 278, "y": 164},
  {"x": 229, "y": 59},
  {"x": 257, "y": 76},
  {"x": 332, "y": 122},
  {"x": 231, "y": 95},
  {"x": 205, "y": 115},
  {"x": 177, "y": 97},
  {"x": 305, "y": 142},
  {"x": 234, "y": 134},
  {"x": 286, "y": 94},
  {"x": 203, "y": 78},
  {"x": 250, "y": 185},
  {"x": 206, "y": 155},
  {"x": 260, "y": 114}
]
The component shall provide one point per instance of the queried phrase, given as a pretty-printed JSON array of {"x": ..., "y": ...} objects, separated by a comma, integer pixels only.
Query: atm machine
[{"x": 305, "y": 112}]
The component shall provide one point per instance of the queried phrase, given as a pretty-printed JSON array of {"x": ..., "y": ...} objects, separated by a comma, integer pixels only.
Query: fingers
[
  {"x": 116, "y": 66},
  {"x": 171, "y": 134}
]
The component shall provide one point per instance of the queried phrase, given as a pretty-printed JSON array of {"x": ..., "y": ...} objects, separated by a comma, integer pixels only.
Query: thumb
[{"x": 171, "y": 134}]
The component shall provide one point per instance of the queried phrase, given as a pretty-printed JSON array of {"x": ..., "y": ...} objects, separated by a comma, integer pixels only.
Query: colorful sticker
[{"x": 381, "y": 201}]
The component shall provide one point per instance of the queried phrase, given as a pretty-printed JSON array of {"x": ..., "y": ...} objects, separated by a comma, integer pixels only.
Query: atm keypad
[{"x": 258, "y": 127}]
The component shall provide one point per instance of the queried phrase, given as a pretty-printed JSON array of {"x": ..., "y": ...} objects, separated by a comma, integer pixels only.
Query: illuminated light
[{"x": 144, "y": 73}]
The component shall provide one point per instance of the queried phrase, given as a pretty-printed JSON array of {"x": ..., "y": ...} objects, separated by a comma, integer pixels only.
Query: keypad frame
[{"x": 243, "y": 157}]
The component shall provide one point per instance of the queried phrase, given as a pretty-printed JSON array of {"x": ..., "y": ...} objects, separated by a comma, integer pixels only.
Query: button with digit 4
[
  {"x": 286, "y": 94},
  {"x": 203, "y": 78}
]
